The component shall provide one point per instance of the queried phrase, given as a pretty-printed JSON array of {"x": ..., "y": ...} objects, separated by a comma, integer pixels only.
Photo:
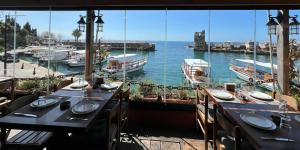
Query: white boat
[
  {"x": 195, "y": 71},
  {"x": 77, "y": 59},
  {"x": 56, "y": 55},
  {"x": 129, "y": 62},
  {"x": 244, "y": 70}
]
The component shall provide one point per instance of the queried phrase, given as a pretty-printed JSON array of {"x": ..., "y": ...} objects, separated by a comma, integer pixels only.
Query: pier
[
  {"x": 117, "y": 45},
  {"x": 25, "y": 69},
  {"x": 241, "y": 51}
]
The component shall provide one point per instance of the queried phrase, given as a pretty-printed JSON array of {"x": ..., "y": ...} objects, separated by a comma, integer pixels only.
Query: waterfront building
[
  {"x": 199, "y": 40},
  {"x": 45, "y": 39},
  {"x": 228, "y": 45}
]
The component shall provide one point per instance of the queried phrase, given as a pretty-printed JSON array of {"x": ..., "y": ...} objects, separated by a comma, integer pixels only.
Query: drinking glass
[{"x": 283, "y": 112}]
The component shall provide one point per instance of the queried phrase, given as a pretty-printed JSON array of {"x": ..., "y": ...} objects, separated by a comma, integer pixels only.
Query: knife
[
  {"x": 26, "y": 115},
  {"x": 278, "y": 139}
]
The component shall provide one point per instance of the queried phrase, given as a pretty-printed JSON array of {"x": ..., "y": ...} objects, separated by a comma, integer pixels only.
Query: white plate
[
  {"x": 78, "y": 84},
  {"x": 260, "y": 95},
  {"x": 297, "y": 118},
  {"x": 109, "y": 86},
  {"x": 43, "y": 102},
  {"x": 85, "y": 107},
  {"x": 223, "y": 95},
  {"x": 258, "y": 121}
]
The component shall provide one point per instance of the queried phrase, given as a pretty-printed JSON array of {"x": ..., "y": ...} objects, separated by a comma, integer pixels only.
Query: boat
[
  {"x": 57, "y": 53},
  {"x": 130, "y": 62},
  {"x": 77, "y": 59},
  {"x": 244, "y": 69},
  {"x": 195, "y": 71}
]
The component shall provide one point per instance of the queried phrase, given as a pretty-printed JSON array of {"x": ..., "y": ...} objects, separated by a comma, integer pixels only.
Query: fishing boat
[
  {"x": 244, "y": 69},
  {"x": 195, "y": 71},
  {"x": 130, "y": 62}
]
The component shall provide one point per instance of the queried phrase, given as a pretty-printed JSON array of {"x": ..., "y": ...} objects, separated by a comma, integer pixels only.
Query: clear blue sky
[{"x": 226, "y": 25}]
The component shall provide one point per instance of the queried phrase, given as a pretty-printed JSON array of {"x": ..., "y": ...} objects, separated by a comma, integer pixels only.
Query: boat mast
[{"x": 271, "y": 56}]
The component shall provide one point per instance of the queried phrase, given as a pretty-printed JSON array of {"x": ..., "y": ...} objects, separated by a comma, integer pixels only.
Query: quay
[
  {"x": 25, "y": 69},
  {"x": 241, "y": 51},
  {"x": 117, "y": 45}
]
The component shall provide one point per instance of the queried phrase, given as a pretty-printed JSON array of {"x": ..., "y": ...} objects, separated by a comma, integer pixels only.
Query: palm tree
[{"x": 76, "y": 33}]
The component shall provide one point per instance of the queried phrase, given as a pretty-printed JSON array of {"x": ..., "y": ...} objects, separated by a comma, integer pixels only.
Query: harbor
[{"x": 153, "y": 69}]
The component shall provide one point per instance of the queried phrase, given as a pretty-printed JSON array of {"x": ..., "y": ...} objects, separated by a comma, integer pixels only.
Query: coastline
[{"x": 240, "y": 51}]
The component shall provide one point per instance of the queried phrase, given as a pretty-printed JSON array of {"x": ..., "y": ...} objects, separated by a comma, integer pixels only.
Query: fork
[{"x": 75, "y": 118}]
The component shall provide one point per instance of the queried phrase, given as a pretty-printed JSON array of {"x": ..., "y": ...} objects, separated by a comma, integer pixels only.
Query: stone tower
[{"x": 199, "y": 40}]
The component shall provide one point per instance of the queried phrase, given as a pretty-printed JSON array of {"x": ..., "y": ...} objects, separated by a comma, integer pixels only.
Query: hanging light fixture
[
  {"x": 294, "y": 26},
  {"x": 99, "y": 23},
  {"x": 81, "y": 24},
  {"x": 272, "y": 25}
]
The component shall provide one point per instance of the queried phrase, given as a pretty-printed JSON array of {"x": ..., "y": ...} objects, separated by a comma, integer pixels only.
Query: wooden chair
[
  {"x": 103, "y": 133},
  {"x": 206, "y": 127},
  {"x": 26, "y": 139},
  {"x": 292, "y": 103},
  {"x": 229, "y": 137}
]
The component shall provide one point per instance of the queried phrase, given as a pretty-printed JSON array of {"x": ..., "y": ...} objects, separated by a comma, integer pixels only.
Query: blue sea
[{"x": 170, "y": 56}]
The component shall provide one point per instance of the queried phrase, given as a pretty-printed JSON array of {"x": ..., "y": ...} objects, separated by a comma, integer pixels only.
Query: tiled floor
[
  {"x": 161, "y": 140},
  {"x": 133, "y": 142}
]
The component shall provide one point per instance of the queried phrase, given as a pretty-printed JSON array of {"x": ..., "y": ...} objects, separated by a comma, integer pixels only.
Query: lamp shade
[
  {"x": 272, "y": 25},
  {"x": 100, "y": 23},
  {"x": 294, "y": 26},
  {"x": 81, "y": 24}
]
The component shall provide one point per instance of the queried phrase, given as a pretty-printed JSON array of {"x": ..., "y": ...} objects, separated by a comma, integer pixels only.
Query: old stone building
[{"x": 199, "y": 40}]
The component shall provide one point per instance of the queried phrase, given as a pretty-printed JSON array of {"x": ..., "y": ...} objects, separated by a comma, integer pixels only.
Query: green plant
[
  {"x": 27, "y": 84},
  {"x": 183, "y": 94},
  {"x": 146, "y": 87}
]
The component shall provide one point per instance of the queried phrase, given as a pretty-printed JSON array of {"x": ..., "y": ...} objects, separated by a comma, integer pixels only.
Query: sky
[{"x": 158, "y": 25}]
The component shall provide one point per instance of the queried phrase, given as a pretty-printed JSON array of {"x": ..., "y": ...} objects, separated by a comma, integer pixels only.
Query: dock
[
  {"x": 117, "y": 45},
  {"x": 25, "y": 69}
]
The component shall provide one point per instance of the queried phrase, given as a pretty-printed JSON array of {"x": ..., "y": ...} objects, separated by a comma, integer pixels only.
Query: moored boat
[
  {"x": 195, "y": 71},
  {"x": 244, "y": 69},
  {"x": 130, "y": 62}
]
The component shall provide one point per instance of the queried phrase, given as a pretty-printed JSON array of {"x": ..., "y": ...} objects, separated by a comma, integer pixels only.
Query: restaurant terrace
[{"x": 100, "y": 106}]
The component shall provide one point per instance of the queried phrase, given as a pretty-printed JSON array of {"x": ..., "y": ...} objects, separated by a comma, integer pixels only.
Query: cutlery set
[
  {"x": 35, "y": 116},
  {"x": 278, "y": 139}
]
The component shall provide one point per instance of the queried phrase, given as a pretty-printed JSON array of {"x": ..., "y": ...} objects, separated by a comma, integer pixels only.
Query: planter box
[{"x": 162, "y": 115}]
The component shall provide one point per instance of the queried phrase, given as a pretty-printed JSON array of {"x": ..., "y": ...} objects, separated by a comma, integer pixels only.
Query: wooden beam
[
  {"x": 89, "y": 45},
  {"x": 283, "y": 52},
  {"x": 147, "y": 4}
]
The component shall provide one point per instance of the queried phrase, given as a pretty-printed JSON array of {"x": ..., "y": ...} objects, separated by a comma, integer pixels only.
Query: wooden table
[
  {"x": 232, "y": 109},
  {"x": 55, "y": 119}
]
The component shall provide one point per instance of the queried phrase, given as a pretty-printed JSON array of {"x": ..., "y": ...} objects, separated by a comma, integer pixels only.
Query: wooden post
[
  {"x": 283, "y": 51},
  {"x": 206, "y": 122},
  {"x": 89, "y": 45},
  {"x": 215, "y": 127}
]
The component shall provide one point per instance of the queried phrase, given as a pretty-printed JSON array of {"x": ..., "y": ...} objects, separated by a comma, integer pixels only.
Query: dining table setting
[
  {"x": 68, "y": 110},
  {"x": 264, "y": 121}
]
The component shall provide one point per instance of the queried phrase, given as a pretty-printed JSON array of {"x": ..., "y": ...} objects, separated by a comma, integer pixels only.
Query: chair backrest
[
  {"x": 225, "y": 124},
  {"x": 19, "y": 102},
  {"x": 5, "y": 86},
  {"x": 291, "y": 101}
]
